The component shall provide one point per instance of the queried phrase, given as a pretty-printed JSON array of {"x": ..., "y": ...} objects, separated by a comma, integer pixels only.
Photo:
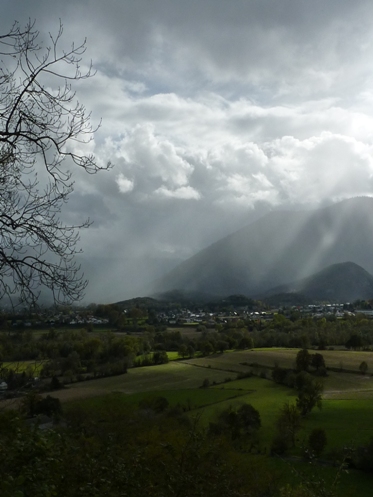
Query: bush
[
  {"x": 317, "y": 441},
  {"x": 160, "y": 357},
  {"x": 363, "y": 368},
  {"x": 243, "y": 422},
  {"x": 55, "y": 383},
  {"x": 321, "y": 372},
  {"x": 241, "y": 376},
  {"x": 364, "y": 458},
  {"x": 156, "y": 404},
  {"x": 279, "y": 445}
]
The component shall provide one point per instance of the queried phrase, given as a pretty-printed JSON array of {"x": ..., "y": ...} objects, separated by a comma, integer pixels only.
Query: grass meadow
[
  {"x": 337, "y": 359},
  {"x": 22, "y": 366},
  {"x": 346, "y": 414},
  {"x": 172, "y": 376}
]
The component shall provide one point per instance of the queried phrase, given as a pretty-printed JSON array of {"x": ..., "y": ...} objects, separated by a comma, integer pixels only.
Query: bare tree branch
[{"x": 38, "y": 125}]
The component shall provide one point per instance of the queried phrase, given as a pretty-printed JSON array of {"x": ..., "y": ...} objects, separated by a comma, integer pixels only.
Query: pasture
[
  {"x": 191, "y": 399},
  {"x": 346, "y": 412},
  {"x": 172, "y": 376},
  {"x": 348, "y": 360},
  {"x": 34, "y": 367}
]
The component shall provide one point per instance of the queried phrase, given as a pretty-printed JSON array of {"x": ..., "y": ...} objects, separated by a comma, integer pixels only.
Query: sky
[{"x": 213, "y": 113}]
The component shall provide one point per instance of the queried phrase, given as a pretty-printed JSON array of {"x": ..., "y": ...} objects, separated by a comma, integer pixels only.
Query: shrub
[
  {"x": 363, "y": 368},
  {"x": 206, "y": 383},
  {"x": 55, "y": 383},
  {"x": 280, "y": 445},
  {"x": 317, "y": 441}
]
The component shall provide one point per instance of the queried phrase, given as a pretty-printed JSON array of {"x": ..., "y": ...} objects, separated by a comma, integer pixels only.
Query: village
[{"x": 102, "y": 316}]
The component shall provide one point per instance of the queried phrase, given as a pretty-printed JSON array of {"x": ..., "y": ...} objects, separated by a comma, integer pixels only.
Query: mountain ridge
[
  {"x": 341, "y": 282},
  {"x": 281, "y": 246}
]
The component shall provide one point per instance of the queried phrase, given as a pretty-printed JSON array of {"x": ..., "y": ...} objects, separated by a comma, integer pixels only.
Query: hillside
[
  {"x": 345, "y": 282},
  {"x": 280, "y": 247}
]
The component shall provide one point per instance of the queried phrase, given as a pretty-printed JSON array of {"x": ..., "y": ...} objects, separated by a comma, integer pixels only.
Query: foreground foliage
[{"x": 107, "y": 454}]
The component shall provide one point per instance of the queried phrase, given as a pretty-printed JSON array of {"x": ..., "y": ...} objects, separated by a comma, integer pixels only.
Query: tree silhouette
[{"x": 42, "y": 129}]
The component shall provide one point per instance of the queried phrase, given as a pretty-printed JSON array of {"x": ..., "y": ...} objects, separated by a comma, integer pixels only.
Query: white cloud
[
  {"x": 155, "y": 156},
  {"x": 125, "y": 185},
  {"x": 213, "y": 109},
  {"x": 184, "y": 192}
]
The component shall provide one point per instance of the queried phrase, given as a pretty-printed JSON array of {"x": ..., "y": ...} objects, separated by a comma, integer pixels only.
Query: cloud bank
[{"x": 213, "y": 113}]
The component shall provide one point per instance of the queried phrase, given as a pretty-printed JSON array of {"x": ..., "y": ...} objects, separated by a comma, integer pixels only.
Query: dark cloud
[{"x": 213, "y": 113}]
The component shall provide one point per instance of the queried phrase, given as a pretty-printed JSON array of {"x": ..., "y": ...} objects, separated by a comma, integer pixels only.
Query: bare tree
[{"x": 40, "y": 121}]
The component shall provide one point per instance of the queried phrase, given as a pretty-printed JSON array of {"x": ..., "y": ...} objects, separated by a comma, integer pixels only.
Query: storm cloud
[{"x": 213, "y": 112}]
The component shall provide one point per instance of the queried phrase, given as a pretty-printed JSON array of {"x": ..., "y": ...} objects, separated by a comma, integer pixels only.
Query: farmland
[
  {"x": 183, "y": 374},
  {"x": 348, "y": 397},
  {"x": 345, "y": 416},
  {"x": 174, "y": 375},
  {"x": 336, "y": 359}
]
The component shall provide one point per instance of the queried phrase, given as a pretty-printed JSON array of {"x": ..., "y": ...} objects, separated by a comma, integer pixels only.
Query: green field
[
  {"x": 339, "y": 359},
  {"x": 172, "y": 356},
  {"x": 174, "y": 375},
  {"x": 264, "y": 395},
  {"x": 21, "y": 366},
  {"x": 190, "y": 399},
  {"x": 346, "y": 422},
  {"x": 346, "y": 414}
]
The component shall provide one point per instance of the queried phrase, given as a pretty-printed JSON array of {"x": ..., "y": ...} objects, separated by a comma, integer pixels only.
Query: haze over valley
[{"x": 285, "y": 246}]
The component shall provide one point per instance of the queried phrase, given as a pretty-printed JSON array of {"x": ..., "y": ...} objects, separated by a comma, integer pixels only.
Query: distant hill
[
  {"x": 184, "y": 296},
  {"x": 280, "y": 247},
  {"x": 140, "y": 302},
  {"x": 345, "y": 282},
  {"x": 285, "y": 299},
  {"x": 177, "y": 297}
]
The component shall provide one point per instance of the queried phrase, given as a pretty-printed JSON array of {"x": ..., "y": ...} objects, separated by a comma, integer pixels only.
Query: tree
[
  {"x": 317, "y": 361},
  {"x": 41, "y": 123},
  {"x": 29, "y": 402},
  {"x": 354, "y": 342},
  {"x": 310, "y": 395},
  {"x": 206, "y": 348},
  {"x": 303, "y": 360},
  {"x": 364, "y": 457},
  {"x": 191, "y": 351},
  {"x": 317, "y": 441},
  {"x": 363, "y": 368},
  {"x": 160, "y": 357},
  {"x": 237, "y": 423},
  {"x": 222, "y": 345},
  {"x": 289, "y": 422},
  {"x": 249, "y": 418},
  {"x": 279, "y": 374},
  {"x": 183, "y": 351},
  {"x": 246, "y": 343}
]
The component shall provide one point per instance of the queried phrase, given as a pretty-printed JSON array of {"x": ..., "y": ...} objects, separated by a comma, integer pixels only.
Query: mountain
[
  {"x": 281, "y": 246},
  {"x": 345, "y": 282}
]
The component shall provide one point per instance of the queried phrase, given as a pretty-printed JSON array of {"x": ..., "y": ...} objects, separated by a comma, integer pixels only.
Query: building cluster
[{"x": 184, "y": 316}]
